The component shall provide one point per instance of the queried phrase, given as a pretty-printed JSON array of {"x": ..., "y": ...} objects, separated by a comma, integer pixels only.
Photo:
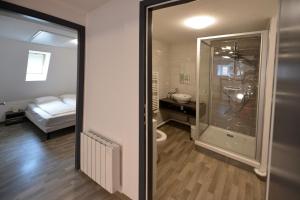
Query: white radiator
[{"x": 101, "y": 160}]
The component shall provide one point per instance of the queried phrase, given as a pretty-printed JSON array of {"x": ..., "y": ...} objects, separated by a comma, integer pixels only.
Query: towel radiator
[{"x": 155, "y": 92}]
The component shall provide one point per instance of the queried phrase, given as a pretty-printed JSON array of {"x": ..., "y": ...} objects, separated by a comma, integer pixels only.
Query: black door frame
[
  {"x": 145, "y": 94},
  {"x": 80, "y": 62}
]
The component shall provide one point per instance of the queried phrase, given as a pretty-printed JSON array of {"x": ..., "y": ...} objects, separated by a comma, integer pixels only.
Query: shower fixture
[{"x": 237, "y": 85}]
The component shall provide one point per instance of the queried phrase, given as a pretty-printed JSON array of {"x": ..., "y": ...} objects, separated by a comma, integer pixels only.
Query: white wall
[
  {"x": 111, "y": 87},
  {"x": 13, "y": 87},
  {"x": 172, "y": 59},
  {"x": 160, "y": 63},
  {"x": 183, "y": 59},
  {"x": 55, "y": 8}
]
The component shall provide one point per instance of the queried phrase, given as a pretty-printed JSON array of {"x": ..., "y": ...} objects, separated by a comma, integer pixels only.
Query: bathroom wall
[
  {"x": 171, "y": 61},
  {"x": 160, "y": 63},
  {"x": 182, "y": 60}
]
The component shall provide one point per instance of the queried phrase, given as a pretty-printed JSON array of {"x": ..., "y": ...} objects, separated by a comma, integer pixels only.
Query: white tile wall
[
  {"x": 170, "y": 60},
  {"x": 182, "y": 59},
  {"x": 160, "y": 63}
]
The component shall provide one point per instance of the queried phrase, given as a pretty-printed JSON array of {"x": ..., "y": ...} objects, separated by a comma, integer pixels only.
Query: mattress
[{"x": 50, "y": 122}]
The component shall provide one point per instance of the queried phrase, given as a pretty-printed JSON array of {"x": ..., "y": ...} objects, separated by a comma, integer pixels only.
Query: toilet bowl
[{"x": 161, "y": 137}]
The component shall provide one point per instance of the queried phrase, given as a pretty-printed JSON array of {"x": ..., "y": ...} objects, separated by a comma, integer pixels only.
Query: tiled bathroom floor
[{"x": 184, "y": 172}]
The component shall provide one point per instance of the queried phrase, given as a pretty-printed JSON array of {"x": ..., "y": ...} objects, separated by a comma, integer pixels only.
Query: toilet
[{"x": 161, "y": 137}]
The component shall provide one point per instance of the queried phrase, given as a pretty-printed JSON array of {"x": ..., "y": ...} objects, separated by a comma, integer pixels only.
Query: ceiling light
[
  {"x": 230, "y": 52},
  {"x": 226, "y": 48},
  {"x": 199, "y": 22},
  {"x": 74, "y": 41},
  {"x": 226, "y": 57}
]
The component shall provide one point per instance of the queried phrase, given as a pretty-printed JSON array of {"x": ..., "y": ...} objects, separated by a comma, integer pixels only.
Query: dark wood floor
[
  {"x": 34, "y": 169},
  {"x": 185, "y": 172}
]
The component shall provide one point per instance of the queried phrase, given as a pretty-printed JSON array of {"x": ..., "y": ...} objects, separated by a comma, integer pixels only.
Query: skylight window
[{"x": 37, "y": 66}]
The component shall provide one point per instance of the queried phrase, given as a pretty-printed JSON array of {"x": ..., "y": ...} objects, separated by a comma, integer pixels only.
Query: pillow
[
  {"x": 45, "y": 99},
  {"x": 68, "y": 96},
  {"x": 69, "y": 99}
]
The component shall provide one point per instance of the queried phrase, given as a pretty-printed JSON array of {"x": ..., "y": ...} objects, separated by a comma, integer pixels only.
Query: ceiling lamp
[
  {"x": 199, "y": 22},
  {"x": 226, "y": 48}
]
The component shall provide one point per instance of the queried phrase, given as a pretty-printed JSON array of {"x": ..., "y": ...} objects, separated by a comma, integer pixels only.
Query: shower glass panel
[
  {"x": 229, "y": 87},
  {"x": 235, "y": 75},
  {"x": 203, "y": 82}
]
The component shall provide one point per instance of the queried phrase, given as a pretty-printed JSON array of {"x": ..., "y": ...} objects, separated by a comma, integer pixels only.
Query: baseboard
[
  {"x": 163, "y": 123},
  {"x": 174, "y": 120}
]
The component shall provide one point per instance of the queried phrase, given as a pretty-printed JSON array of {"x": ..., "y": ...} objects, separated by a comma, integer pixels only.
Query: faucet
[{"x": 171, "y": 92}]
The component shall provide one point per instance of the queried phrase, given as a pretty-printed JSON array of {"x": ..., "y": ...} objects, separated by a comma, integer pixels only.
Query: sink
[{"x": 182, "y": 98}]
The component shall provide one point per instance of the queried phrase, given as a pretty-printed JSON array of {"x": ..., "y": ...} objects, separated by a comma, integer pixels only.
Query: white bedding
[
  {"x": 69, "y": 99},
  {"x": 48, "y": 118},
  {"x": 56, "y": 107}
]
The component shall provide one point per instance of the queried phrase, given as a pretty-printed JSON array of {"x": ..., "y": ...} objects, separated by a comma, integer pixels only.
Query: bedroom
[{"x": 37, "y": 84}]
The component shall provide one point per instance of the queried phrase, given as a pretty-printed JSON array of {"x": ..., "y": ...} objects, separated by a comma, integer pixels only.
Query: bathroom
[{"x": 208, "y": 91}]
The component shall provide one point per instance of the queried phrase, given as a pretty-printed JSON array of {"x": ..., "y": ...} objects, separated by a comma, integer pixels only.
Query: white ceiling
[
  {"x": 232, "y": 16},
  {"x": 23, "y": 28}
]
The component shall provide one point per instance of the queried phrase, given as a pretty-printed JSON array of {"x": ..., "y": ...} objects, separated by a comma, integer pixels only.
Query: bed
[{"x": 52, "y": 113}]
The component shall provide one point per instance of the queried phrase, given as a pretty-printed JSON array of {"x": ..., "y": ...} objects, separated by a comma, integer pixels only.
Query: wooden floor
[
  {"x": 34, "y": 169},
  {"x": 184, "y": 172}
]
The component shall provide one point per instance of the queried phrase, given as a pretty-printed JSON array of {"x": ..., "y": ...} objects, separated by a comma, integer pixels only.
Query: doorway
[
  {"x": 170, "y": 101},
  {"x": 50, "y": 42},
  {"x": 80, "y": 60}
]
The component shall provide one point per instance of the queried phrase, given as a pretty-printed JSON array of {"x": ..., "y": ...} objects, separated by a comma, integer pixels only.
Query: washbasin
[{"x": 182, "y": 98}]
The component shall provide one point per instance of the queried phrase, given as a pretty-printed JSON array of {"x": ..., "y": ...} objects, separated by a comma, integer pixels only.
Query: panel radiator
[{"x": 101, "y": 160}]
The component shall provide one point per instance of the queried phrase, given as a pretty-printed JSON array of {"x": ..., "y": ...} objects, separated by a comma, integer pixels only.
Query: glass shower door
[
  {"x": 203, "y": 83},
  {"x": 228, "y": 73}
]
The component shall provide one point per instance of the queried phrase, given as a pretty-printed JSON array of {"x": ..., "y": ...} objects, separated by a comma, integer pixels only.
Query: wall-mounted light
[{"x": 199, "y": 22}]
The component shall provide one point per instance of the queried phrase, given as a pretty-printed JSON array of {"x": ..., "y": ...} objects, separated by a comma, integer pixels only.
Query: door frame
[
  {"x": 145, "y": 93},
  {"x": 80, "y": 62}
]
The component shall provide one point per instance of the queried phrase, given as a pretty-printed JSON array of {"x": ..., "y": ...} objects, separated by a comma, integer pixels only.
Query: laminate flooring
[
  {"x": 33, "y": 168},
  {"x": 185, "y": 172}
]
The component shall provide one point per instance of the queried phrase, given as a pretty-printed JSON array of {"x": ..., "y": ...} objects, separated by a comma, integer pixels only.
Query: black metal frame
[
  {"x": 145, "y": 99},
  {"x": 80, "y": 62}
]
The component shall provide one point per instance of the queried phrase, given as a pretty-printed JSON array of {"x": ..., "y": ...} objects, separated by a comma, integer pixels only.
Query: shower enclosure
[{"x": 230, "y": 81}]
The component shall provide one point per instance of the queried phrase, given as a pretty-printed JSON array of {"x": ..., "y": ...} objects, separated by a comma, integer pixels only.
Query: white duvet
[{"x": 56, "y": 107}]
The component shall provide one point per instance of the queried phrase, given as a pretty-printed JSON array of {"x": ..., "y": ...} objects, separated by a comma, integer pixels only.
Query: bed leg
[{"x": 48, "y": 136}]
